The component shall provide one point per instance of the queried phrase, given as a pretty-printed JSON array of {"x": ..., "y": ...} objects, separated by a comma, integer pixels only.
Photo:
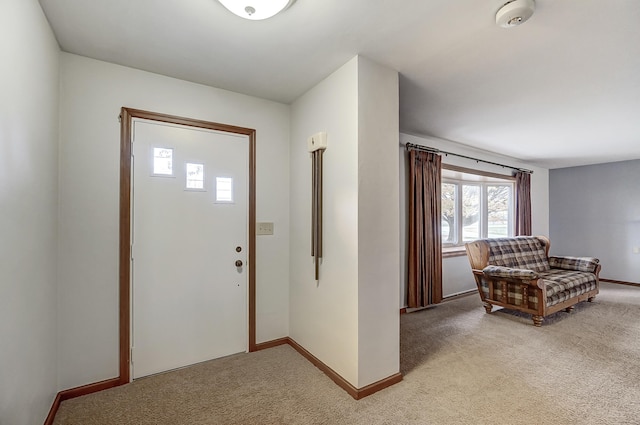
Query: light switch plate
[{"x": 265, "y": 228}]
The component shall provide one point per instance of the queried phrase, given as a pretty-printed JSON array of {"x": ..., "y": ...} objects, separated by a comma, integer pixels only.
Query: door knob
[{"x": 238, "y": 263}]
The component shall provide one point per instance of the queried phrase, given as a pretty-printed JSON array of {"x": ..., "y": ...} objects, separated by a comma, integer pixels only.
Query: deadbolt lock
[{"x": 238, "y": 249}]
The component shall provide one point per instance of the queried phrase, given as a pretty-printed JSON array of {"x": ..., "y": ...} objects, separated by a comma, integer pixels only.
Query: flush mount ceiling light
[
  {"x": 515, "y": 13},
  {"x": 256, "y": 9}
]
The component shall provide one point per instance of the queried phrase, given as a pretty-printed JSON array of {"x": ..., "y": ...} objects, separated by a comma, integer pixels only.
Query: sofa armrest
[
  {"x": 508, "y": 272},
  {"x": 581, "y": 264}
]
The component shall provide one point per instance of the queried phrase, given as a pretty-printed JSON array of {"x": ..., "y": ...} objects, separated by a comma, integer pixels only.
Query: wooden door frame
[{"x": 126, "y": 120}]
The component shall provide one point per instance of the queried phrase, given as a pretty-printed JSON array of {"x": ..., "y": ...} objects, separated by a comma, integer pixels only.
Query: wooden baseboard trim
[
  {"x": 271, "y": 344},
  {"x": 356, "y": 393},
  {"x": 460, "y": 295},
  {"x": 620, "y": 282},
  {"x": 54, "y": 409},
  {"x": 380, "y": 385},
  {"x": 466, "y": 293},
  {"x": 77, "y": 392},
  {"x": 89, "y": 388},
  {"x": 335, "y": 377}
]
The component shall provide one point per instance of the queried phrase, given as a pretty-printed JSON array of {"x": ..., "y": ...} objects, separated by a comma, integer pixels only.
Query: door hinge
[
  {"x": 131, "y": 355},
  {"x": 120, "y": 118}
]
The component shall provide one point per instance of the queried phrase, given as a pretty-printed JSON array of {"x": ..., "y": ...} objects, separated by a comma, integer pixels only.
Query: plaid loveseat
[{"x": 517, "y": 273}]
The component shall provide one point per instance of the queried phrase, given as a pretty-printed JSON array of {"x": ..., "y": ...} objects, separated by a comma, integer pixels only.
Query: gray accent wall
[{"x": 594, "y": 211}]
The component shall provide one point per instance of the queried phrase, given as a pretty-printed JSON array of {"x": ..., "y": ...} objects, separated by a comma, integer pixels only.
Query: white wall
[
  {"x": 595, "y": 211},
  {"x": 349, "y": 319},
  {"x": 324, "y": 315},
  {"x": 28, "y": 212},
  {"x": 456, "y": 272},
  {"x": 378, "y": 222},
  {"x": 92, "y": 93}
]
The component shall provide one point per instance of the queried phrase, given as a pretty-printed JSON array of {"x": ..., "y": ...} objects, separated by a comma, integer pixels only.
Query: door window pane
[
  {"x": 470, "y": 212},
  {"x": 195, "y": 176},
  {"x": 163, "y": 161},
  {"x": 224, "y": 189}
]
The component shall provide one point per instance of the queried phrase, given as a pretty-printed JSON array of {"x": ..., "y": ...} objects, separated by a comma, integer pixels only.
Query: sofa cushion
[
  {"x": 558, "y": 280},
  {"x": 564, "y": 284},
  {"x": 508, "y": 272},
  {"x": 573, "y": 292},
  {"x": 583, "y": 264},
  {"x": 522, "y": 252}
]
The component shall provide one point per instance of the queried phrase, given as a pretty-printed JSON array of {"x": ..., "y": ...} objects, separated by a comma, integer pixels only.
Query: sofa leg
[
  {"x": 590, "y": 299},
  {"x": 537, "y": 321},
  {"x": 570, "y": 308},
  {"x": 488, "y": 307}
]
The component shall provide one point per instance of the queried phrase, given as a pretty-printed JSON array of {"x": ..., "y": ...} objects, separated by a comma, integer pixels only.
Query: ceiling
[{"x": 561, "y": 90}]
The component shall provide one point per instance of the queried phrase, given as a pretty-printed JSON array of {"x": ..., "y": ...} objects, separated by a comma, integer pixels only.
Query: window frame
[{"x": 482, "y": 179}]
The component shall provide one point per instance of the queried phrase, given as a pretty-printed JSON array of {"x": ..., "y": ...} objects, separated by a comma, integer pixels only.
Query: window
[
  {"x": 224, "y": 189},
  {"x": 475, "y": 205},
  {"x": 195, "y": 176},
  {"x": 163, "y": 161}
]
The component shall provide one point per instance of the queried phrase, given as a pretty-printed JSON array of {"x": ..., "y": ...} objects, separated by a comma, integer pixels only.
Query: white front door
[{"x": 189, "y": 246}]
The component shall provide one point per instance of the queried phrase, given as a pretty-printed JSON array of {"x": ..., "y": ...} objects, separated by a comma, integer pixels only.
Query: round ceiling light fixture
[
  {"x": 515, "y": 13},
  {"x": 256, "y": 10}
]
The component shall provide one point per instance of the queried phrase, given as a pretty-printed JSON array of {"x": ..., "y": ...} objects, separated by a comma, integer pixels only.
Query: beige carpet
[{"x": 460, "y": 366}]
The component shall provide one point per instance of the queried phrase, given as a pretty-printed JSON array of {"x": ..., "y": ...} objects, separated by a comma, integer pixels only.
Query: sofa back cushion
[
  {"x": 581, "y": 264},
  {"x": 521, "y": 252}
]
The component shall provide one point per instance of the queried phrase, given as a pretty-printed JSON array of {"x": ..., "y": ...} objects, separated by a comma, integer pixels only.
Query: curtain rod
[{"x": 412, "y": 146}]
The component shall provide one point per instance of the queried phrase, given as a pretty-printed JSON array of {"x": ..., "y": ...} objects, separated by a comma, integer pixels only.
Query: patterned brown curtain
[
  {"x": 425, "y": 236},
  {"x": 523, "y": 204}
]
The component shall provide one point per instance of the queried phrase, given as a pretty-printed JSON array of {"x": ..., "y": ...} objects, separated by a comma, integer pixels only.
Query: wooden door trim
[{"x": 126, "y": 119}]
